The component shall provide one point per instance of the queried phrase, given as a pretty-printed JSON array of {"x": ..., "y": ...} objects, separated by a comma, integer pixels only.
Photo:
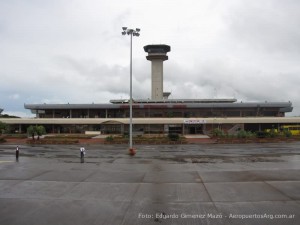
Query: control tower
[{"x": 157, "y": 54}]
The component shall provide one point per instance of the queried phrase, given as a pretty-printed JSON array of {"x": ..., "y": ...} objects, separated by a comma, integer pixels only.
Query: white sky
[{"x": 72, "y": 51}]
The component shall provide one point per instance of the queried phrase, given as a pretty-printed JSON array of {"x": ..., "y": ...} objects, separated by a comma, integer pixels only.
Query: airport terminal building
[
  {"x": 159, "y": 115},
  {"x": 165, "y": 116}
]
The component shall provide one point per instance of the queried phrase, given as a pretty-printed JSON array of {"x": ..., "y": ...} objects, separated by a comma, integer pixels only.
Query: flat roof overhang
[
  {"x": 283, "y": 106},
  {"x": 173, "y": 101},
  {"x": 91, "y": 121}
]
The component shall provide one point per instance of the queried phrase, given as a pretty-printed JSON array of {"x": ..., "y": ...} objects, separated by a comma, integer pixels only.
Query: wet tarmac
[{"x": 166, "y": 184}]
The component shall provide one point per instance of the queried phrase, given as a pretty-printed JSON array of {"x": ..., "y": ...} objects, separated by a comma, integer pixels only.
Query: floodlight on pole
[{"x": 131, "y": 32}]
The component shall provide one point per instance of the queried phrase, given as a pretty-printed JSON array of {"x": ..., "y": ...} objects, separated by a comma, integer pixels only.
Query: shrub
[
  {"x": 109, "y": 138},
  {"x": 287, "y": 133},
  {"x": 173, "y": 136},
  {"x": 261, "y": 134},
  {"x": 217, "y": 133},
  {"x": 272, "y": 133},
  {"x": 244, "y": 134}
]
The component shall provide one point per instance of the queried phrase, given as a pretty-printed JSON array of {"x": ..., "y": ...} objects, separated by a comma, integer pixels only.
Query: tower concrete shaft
[{"x": 157, "y": 54}]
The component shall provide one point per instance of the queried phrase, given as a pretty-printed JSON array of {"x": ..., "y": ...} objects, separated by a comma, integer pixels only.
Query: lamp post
[{"x": 131, "y": 32}]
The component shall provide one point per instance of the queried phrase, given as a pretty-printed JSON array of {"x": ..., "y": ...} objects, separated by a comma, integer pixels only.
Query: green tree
[
  {"x": 31, "y": 131},
  {"x": 3, "y": 127},
  {"x": 40, "y": 130}
]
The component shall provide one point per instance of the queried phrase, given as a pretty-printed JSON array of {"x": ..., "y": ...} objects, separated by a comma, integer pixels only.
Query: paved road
[{"x": 187, "y": 184}]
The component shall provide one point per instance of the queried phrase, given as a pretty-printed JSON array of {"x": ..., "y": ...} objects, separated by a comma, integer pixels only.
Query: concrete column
[
  {"x": 157, "y": 80},
  {"x": 122, "y": 129}
]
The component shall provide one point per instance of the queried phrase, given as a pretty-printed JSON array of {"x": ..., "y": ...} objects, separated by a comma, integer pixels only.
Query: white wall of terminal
[{"x": 87, "y": 121}]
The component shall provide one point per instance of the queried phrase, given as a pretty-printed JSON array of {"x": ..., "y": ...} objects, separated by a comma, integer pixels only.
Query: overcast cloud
[{"x": 72, "y": 51}]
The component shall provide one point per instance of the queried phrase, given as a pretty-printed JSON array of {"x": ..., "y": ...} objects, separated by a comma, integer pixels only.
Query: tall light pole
[{"x": 131, "y": 32}]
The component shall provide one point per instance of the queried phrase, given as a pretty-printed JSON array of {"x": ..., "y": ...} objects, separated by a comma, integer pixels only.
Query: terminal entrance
[
  {"x": 175, "y": 129},
  {"x": 194, "y": 129}
]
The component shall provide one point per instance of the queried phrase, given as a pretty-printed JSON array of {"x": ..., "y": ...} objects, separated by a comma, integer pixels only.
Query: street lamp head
[
  {"x": 133, "y": 32},
  {"x": 129, "y": 31}
]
